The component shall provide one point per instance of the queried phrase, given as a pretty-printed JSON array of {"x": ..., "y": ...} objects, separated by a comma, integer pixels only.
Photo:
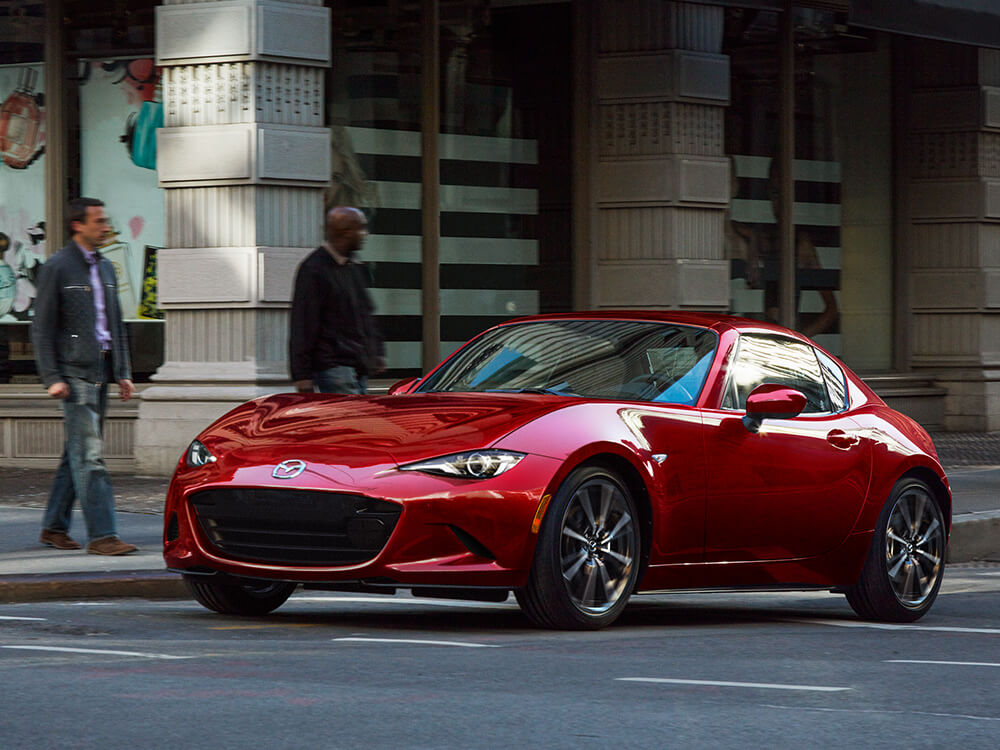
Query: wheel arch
[{"x": 932, "y": 480}]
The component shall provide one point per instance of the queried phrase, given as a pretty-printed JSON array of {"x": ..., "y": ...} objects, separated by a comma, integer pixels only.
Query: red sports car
[{"x": 575, "y": 460}]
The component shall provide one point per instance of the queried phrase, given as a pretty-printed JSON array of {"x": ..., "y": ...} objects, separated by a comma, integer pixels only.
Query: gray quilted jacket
[{"x": 63, "y": 327}]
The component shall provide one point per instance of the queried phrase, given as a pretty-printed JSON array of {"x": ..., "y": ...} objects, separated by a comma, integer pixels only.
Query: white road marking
[
  {"x": 892, "y": 626},
  {"x": 724, "y": 683},
  {"x": 947, "y": 663},
  {"x": 11, "y": 617},
  {"x": 420, "y": 642},
  {"x": 935, "y": 714},
  {"x": 66, "y": 649}
]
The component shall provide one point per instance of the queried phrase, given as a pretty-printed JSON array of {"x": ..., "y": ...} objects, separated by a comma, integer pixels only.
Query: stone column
[
  {"x": 243, "y": 160},
  {"x": 954, "y": 227},
  {"x": 661, "y": 183}
]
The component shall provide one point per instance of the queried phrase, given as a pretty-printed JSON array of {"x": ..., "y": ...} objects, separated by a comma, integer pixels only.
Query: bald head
[{"x": 346, "y": 229}]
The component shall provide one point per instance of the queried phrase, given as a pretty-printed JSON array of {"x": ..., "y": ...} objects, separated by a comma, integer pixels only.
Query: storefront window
[
  {"x": 120, "y": 109},
  {"x": 22, "y": 180},
  {"x": 504, "y": 150},
  {"x": 842, "y": 205},
  {"x": 112, "y": 97}
]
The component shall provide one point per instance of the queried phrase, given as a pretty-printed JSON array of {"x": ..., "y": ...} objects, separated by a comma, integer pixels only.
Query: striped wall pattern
[
  {"x": 228, "y": 335},
  {"x": 646, "y": 25},
  {"x": 816, "y": 212},
  {"x": 650, "y": 233},
  {"x": 30, "y": 438},
  {"x": 243, "y": 216},
  {"x": 43, "y": 438},
  {"x": 488, "y": 248}
]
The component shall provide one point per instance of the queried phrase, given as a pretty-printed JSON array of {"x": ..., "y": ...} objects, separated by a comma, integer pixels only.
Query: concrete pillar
[
  {"x": 243, "y": 160},
  {"x": 661, "y": 183},
  {"x": 954, "y": 229}
]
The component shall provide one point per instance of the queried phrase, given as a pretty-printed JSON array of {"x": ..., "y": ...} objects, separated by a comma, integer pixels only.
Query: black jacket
[
  {"x": 63, "y": 327},
  {"x": 332, "y": 321}
]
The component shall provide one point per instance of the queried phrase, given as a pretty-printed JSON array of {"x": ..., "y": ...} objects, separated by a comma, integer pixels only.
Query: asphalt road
[{"x": 331, "y": 670}]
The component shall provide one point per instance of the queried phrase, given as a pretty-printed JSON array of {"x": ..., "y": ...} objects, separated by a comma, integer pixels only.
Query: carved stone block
[
  {"x": 243, "y": 153},
  {"x": 233, "y": 30},
  {"x": 675, "y": 180},
  {"x": 676, "y": 75},
  {"x": 676, "y": 284}
]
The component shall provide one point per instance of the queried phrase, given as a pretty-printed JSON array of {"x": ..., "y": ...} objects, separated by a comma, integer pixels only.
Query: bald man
[{"x": 334, "y": 344}]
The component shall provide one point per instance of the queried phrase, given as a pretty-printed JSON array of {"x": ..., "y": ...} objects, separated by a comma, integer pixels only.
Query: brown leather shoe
[
  {"x": 58, "y": 539},
  {"x": 110, "y": 545}
]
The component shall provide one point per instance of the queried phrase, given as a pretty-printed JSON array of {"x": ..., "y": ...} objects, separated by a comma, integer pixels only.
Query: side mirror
[
  {"x": 403, "y": 386},
  {"x": 771, "y": 401}
]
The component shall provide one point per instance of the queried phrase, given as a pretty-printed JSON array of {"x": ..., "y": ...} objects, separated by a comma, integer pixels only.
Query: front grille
[{"x": 298, "y": 527}]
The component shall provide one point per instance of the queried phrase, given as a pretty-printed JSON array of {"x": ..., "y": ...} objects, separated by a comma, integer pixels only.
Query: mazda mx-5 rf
[{"x": 573, "y": 460}]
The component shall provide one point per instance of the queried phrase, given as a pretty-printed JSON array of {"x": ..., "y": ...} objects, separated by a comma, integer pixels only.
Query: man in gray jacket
[{"x": 80, "y": 344}]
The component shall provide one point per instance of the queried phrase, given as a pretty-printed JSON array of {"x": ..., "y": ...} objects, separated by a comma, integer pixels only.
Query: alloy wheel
[
  {"x": 597, "y": 546},
  {"x": 914, "y": 547}
]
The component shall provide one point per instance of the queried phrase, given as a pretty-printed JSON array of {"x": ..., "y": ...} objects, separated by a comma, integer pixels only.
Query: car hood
[{"x": 400, "y": 428}]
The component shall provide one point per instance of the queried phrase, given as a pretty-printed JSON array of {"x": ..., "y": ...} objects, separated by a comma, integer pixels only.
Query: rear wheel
[
  {"x": 245, "y": 597},
  {"x": 587, "y": 558},
  {"x": 905, "y": 563}
]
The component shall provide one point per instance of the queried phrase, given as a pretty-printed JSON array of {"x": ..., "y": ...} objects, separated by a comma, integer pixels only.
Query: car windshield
[{"x": 608, "y": 359}]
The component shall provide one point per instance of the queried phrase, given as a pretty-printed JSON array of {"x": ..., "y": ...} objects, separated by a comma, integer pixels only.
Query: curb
[
  {"x": 975, "y": 536},
  {"x": 143, "y": 584}
]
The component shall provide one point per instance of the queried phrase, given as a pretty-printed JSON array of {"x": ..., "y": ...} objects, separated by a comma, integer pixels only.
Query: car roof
[{"x": 715, "y": 321}]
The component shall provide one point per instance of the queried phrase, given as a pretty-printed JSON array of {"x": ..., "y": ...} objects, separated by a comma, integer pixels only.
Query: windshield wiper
[{"x": 547, "y": 391}]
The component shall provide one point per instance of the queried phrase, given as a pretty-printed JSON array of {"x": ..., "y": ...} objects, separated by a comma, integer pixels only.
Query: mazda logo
[{"x": 289, "y": 469}]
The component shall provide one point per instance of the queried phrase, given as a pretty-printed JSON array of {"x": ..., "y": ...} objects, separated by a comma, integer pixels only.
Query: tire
[
  {"x": 905, "y": 563},
  {"x": 588, "y": 554},
  {"x": 251, "y": 597}
]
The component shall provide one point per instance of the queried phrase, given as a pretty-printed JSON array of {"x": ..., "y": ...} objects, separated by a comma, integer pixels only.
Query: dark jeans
[
  {"x": 340, "y": 379},
  {"x": 82, "y": 473}
]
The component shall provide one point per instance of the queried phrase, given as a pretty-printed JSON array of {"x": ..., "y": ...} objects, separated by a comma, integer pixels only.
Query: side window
[
  {"x": 836, "y": 384},
  {"x": 772, "y": 359}
]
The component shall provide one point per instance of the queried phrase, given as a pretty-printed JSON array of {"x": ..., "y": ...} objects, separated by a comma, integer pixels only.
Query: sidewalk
[{"x": 31, "y": 572}]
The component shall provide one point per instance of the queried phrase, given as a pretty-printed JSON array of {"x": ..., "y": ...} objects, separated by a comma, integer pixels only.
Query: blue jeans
[
  {"x": 340, "y": 379},
  {"x": 82, "y": 473}
]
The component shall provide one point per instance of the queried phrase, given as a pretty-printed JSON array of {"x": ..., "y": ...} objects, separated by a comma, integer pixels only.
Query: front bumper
[{"x": 449, "y": 532}]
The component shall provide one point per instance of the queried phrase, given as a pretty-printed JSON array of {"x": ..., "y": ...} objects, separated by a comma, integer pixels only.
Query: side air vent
[
  {"x": 173, "y": 532},
  {"x": 472, "y": 544}
]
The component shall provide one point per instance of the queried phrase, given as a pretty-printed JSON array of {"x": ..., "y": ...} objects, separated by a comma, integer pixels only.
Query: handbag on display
[{"x": 140, "y": 134}]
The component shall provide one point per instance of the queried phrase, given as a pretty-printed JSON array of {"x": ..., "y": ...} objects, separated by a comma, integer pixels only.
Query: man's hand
[
  {"x": 126, "y": 389},
  {"x": 379, "y": 365},
  {"x": 59, "y": 390},
  {"x": 304, "y": 386}
]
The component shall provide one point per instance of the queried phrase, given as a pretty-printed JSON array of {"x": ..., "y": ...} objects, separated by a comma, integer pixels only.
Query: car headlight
[
  {"x": 472, "y": 465},
  {"x": 198, "y": 455}
]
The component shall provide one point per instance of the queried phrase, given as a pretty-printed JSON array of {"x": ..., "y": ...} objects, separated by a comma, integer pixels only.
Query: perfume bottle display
[{"x": 21, "y": 120}]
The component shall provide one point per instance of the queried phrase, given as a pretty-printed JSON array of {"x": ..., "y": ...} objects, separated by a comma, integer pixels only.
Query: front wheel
[
  {"x": 905, "y": 563},
  {"x": 587, "y": 558},
  {"x": 246, "y": 597}
]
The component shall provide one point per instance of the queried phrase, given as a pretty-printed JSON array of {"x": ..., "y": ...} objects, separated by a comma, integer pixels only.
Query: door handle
[{"x": 840, "y": 439}]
